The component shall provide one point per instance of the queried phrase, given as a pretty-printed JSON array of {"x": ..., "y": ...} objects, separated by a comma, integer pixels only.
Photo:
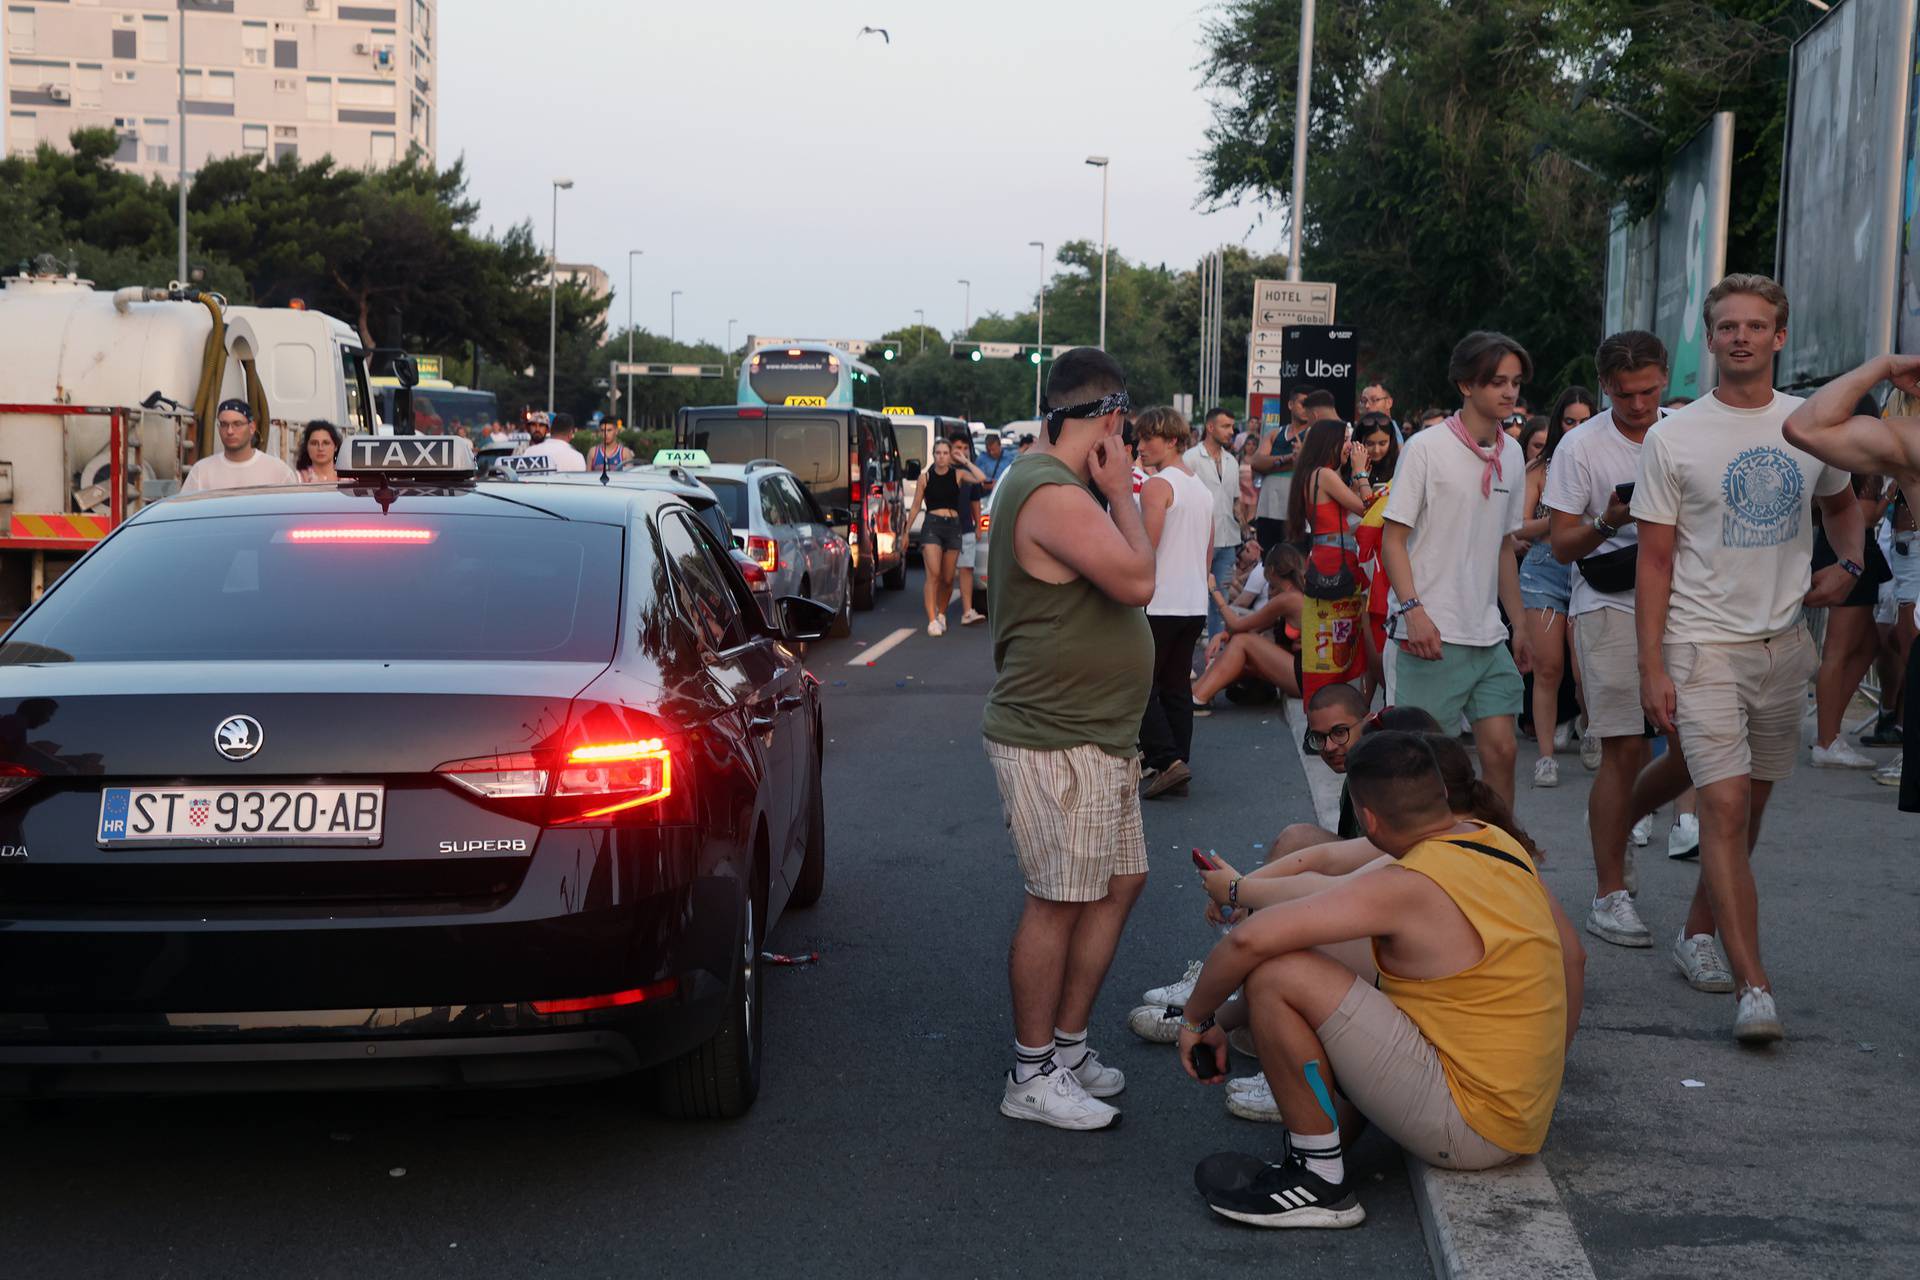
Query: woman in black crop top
[{"x": 948, "y": 507}]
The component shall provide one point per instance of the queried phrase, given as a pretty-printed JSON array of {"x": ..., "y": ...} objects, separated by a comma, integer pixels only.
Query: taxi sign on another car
[
  {"x": 682, "y": 458},
  {"x": 436, "y": 456}
]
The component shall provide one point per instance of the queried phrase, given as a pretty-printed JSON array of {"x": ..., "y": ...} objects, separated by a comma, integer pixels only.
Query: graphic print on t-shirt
[{"x": 1764, "y": 492}]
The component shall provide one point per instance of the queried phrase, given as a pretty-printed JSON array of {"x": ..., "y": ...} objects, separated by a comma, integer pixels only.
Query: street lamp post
[
  {"x": 673, "y": 315},
  {"x": 553, "y": 288},
  {"x": 631, "y": 255},
  {"x": 1040, "y": 336},
  {"x": 1300, "y": 101},
  {"x": 730, "y": 324},
  {"x": 922, "y": 316},
  {"x": 966, "y": 322},
  {"x": 1100, "y": 163}
]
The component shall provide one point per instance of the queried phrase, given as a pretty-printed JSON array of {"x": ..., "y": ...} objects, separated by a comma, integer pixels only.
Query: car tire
[
  {"x": 895, "y": 578},
  {"x": 862, "y": 589},
  {"x": 843, "y": 621},
  {"x": 720, "y": 1079},
  {"x": 813, "y": 869}
]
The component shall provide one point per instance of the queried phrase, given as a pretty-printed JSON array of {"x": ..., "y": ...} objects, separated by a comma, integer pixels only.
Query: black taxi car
[{"x": 421, "y": 780}]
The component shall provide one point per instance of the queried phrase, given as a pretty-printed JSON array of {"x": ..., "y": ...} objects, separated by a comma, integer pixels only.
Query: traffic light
[
  {"x": 974, "y": 355},
  {"x": 1034, "y": 356},
  {"x": 886, "y": 353}
]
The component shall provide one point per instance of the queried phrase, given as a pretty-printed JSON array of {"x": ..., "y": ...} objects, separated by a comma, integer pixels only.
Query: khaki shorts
[
  {"x": 1385, "y": 1067},
  {"x": 1074, "y": 816},
  {"x": 1610, "y": 672},
  {"x": 1739, "y": 706}
]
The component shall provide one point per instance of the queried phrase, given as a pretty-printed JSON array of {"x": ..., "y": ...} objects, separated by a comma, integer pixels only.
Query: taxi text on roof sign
[
  {"x": 410, "y": 454},
  {"x": 807, "y": 402},
  {"x": 898, "y": 411},
  {"x": 683, "y": 458}
]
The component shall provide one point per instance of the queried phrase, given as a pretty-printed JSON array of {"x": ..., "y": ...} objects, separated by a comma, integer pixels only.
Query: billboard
[
  {"x": 1841, "y": 184},
  {"x": 1319, "y": 357},
  {"x": 1631, "y": 274},
  {"x": 1691, "y": 234}
]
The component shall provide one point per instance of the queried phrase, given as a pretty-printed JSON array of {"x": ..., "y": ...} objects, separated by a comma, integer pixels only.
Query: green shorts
[{"x": 1479, "y": 680}]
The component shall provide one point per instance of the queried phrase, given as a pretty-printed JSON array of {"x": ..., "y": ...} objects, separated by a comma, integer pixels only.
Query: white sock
[
  {"x": 1321, "y": 1154},
  {"x": 1069, "y": 1047},
  {"x": 1029, "y": 1062}
]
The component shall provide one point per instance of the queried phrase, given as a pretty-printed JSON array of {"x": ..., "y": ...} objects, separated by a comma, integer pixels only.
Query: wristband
[
  {"x": 1233, "y": 893},
  {"x": 1852, "y": 568},
  {"x": 1407, "y": 607},
  {"x": 1199, "y": 1028},
  {"x": 1604, "y": 529}
]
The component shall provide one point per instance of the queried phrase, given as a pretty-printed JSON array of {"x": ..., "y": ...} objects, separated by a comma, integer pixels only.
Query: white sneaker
[
  {"x": 1177, "y": 992},
  {"x": 1589, "y": 746},
  {"x": 1095, "y": 1076},
  {"x": 937, "y": 626},
  {"x": 1153, "y": 1023},
  {"x": 1249, "y": 1084},
  {"x": 1757, "y": 1021},
  {"x": 1642, "y": 833},
  {"x": 1546, "y": 772},
  {"x": 1699, "y": 958},
  {"x": 1563, "y": 735},
  {"x": 1056, "y": 1098},
  {"x": 1888, "y": 775},
  {"x": 1254, "y": 1104},
  {"x": 1614, "y": 919},
  {"x": 972, "y": 616},
  {"x": 1683, "y": 841},
  {"x": 1840, "y": 755}
]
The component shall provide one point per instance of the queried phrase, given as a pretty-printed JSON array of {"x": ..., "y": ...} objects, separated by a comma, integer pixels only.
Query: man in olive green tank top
[{"x": 1067, "y": 593}]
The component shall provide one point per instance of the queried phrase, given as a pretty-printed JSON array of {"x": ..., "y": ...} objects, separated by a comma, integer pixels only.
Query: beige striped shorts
[{"x": 1074, "y": 816}]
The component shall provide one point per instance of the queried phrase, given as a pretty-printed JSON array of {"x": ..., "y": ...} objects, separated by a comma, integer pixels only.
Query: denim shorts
[
  {"x": 943, "y": 532},
  {"x": 1545, "y": 583}
]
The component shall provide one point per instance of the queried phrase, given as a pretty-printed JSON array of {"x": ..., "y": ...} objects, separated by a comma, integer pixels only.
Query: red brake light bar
[
  {"x": 752, "y": 413},
  {"x": 411, "y": 537},
  {"x": 612, "y": 1000}
]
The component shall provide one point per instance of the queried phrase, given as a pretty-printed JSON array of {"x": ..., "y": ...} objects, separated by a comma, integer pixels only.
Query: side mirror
[
  {"x": 913, "y": 469},
  {"x": 803, "y": 619},
  {"x": 839, "y": 515}
]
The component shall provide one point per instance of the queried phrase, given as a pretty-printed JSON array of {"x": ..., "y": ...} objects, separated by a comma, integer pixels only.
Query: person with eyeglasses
[
  {"x": 1375, "y": 398},
  {"x": 238, "y": 465}
]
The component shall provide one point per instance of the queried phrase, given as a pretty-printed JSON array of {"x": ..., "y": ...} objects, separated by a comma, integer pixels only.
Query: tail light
[
  {"x": 764, "y": 552},
  {"x": 361, "y": 536},
  {"x": 661, "y": 990},
  {"x": 854, "y": 489},
  {"x": 986, "y": 522},
  {"x": 750, "y": 569},
  {"x": 15, "y": 778},
  {"x": 591, "y": 784},
  {"x": 751, "y": 413}
]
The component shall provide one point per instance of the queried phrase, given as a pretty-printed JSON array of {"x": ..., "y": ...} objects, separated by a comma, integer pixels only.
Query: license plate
[{"x": 242, "y": 815}]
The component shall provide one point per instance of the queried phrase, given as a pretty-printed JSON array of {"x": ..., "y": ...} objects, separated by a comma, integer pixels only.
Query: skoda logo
[{"x": 238, "y": 737}]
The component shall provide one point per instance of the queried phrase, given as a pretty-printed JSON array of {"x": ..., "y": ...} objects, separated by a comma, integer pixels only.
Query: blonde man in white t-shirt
[
  {"x": 1459, "y": 490},
  {"x": 238, "y": 465},
  {"x": 1724, "y": 508},
  {"x": 1178, "y": 511}
]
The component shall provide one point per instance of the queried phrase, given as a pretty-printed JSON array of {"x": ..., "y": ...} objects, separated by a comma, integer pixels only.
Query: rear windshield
[
  {"x": 733, "y": 500},
  {"x": 276, "y": 587},
  {"x": 814, "y": 449},
  {"x": 810, "y": 375}
]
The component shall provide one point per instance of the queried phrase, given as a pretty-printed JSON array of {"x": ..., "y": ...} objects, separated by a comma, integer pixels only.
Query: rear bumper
[{"x": 472, "y": 1046}]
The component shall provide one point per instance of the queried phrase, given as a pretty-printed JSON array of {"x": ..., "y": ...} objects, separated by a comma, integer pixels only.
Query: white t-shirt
[
  {"x": 216, "y": 472},
  {"x": 1591, "y": 460},
  {"x": 1186, "y": 545},
  {"x": 1740, "y": 500},
  {"x": 1223, "y": 485},
  {"x": 1256, "y": 584},
  {"x": 560, "y": 455},
  {"x": 1457, "y": 534}
]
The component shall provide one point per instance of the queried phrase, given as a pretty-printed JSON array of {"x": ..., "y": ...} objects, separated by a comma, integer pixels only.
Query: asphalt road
[{"x": 876, "y": 1147}]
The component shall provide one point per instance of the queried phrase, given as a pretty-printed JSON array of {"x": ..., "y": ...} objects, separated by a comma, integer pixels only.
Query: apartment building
[{"x": 263, "y": 77}]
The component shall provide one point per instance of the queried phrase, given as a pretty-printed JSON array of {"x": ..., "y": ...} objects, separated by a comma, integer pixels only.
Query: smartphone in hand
[{"x": 1204, "y": 862}]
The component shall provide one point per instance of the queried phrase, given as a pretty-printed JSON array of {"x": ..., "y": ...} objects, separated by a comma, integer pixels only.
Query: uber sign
[
  {"x": 1320, "y": 357},
  {"x": 405, "y": 453}
]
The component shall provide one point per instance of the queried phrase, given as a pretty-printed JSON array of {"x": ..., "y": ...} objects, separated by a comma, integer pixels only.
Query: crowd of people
[{"x": 1656, "y": 568}]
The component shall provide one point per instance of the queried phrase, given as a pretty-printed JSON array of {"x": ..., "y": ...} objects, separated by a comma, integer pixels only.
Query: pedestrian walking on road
[
  {"x": 1546, "y": 584},
  {"x": 1179, "y": 511},
  {"x": 1724, "y": 504},
  {"x": 1073, "y": 661},
  {"x": 1458, "y": 493},
  {"x": 943, "y": 533}
]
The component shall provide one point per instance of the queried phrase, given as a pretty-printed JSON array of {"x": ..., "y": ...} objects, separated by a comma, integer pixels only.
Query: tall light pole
[
  {"x": 730, "y": 324},
  {"x": 1040, "y": 336},
  {"x": 922, "y": 316},
  {"x": 553, "y": 287},
  {"x": 673, "y": 315},
  {"x": 631, "y": 255},
  {"x": 1300, "y": 102},
  {"x": 966, "y": 323},
  {"x": 1100, "y": 163}
]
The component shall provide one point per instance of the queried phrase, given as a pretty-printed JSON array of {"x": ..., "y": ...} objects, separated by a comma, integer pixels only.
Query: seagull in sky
[{"x": 875, "y": 31}]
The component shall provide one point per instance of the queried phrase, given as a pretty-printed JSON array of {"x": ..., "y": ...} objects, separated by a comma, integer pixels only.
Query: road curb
[{"x": 1495, "y": 1224}]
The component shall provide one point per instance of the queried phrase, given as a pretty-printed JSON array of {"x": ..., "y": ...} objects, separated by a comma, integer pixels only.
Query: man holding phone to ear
[{"x": 1073, "y": 657}]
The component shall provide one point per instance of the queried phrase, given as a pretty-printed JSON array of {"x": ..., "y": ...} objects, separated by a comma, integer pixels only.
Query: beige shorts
[
  {"x": 1074, "y": 816},
  {"x": 1610, "y": 672},
  {"x": 1739, "y": 706},
  {"x": 1385, "y": 1067}
]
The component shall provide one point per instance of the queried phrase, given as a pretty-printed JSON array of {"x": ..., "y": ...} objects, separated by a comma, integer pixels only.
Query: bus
[
  {"x": 439, "y": 406},
  {"x": 809, "y": 375}
]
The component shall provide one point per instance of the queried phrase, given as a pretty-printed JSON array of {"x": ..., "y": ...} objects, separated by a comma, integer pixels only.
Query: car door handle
[{"x": 789, "y": 702}]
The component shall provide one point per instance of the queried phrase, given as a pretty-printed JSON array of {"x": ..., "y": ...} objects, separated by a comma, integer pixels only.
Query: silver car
[{"x": 782, "y": 530}]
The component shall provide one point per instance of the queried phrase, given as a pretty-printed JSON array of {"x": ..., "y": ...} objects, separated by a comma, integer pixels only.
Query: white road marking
[{"x": 874, "y": 654}]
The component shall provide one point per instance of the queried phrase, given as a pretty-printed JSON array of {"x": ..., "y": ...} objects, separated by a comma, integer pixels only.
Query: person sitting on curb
[{"x": 1457, "y": 1053}]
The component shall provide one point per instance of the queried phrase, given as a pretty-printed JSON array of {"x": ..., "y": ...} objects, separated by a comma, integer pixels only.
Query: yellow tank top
[{"x": 1500, "y": 1026}]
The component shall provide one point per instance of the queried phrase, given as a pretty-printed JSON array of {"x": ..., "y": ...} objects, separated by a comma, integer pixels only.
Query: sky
[{"x": 782, "y": 172}]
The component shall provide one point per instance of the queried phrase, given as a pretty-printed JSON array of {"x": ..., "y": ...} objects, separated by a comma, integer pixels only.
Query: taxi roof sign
[
  {"x": 682, "y": 458},
  {"x": 898, "y": 411},
  {"x": 440, "y": 457}
]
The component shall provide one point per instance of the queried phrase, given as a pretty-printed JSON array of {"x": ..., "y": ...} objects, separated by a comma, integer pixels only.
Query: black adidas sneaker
[{"x": 1248, "y": 1189}]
